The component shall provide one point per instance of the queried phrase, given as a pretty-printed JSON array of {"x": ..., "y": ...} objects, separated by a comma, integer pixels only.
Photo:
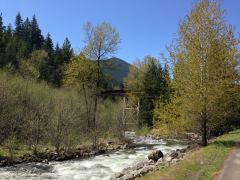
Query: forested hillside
[{"x": 24, "y": 50}]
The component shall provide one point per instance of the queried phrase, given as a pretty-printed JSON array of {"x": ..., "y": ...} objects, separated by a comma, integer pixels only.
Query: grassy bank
[{"x": 202, "y": 164}]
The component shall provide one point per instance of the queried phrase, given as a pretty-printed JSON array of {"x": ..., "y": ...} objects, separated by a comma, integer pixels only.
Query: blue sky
[{"x": 145, "y": 26}]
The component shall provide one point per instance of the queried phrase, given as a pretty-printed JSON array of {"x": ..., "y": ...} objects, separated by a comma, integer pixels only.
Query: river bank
[
  {"x": 204, "y": 163},
  {"x": 102, "y": 166},
  {"x": 47, "y": 155},
  {"x": 156, "y": 160}
]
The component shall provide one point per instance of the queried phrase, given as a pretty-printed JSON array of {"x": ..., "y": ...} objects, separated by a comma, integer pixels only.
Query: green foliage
[
  {"x": 20, "y": 43},
  {"x": 155, "y": 87},
  {"x": 19, "y": 30},
  {"x": 168, "y": 121},
  {"x": 81, "y": 72},
  {"x": 36, "y": 66},
  {"x": 143, "y": 131},
  {"x": 12, "y": 145},
  {"x": 67, "y": 51},
  {"x": 48, "y": 45},
  {"x": 151, "y": 82},
  {"x": 205, "y": 73},
  {"x": 2, "y": 43},
  {"x": 37, "y": 114},
  {"x": 109, "y": 118},
  {"x": 36, "y": 36}
]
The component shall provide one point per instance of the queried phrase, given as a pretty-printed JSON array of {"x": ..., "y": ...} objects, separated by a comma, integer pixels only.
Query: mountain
[{"x": 115, "y": 70}]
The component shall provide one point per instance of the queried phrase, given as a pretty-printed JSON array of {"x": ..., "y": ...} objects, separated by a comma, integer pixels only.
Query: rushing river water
[{"x": 95, "y": 168}]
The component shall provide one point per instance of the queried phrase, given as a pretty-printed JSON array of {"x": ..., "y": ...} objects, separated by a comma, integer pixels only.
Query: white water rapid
[{"x": 96, "y": 168}]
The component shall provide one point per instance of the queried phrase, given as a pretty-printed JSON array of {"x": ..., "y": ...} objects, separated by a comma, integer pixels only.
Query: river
[{"x": 96, "y": 168}]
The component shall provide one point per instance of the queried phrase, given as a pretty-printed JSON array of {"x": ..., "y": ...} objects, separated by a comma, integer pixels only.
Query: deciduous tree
[
  {"x": 101, "y": 41},
  {"x": 205, "y": 68}
]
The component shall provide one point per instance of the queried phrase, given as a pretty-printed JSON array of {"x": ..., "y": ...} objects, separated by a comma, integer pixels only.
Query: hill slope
[{"x": 116, "y": 70}]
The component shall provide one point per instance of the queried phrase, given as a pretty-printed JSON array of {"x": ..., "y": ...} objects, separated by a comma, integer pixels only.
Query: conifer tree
[
  {"x": 36, "y": 36},
  {"x": 9, "y": 33},
  {"x": 27, "y": 34},
  {"x": 56, "y": 67},
  {"x": 48, "y": 45},
  {"x": 67, "y": 51},
  {"x": 19, "y": 28},
  {"x": 7, "y": 55},
  {"x": 1, "y": 25},
  {"x": 2, "y": 43},
  {"x": 155, "y": 86}
]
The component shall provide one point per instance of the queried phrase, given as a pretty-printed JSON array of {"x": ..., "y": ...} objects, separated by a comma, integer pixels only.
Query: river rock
[
  {"x": 129, "y": 146},
  {"x": 146, "y": 169},
  {"x": 45, "y": 161},
  {"x": 4, "y": 163},
  {"x": 168, "y": 159},
  {"x": 101, "y": 151},
  {"x": 140, "y": 165},
  {"x": 110, "y": 142},
  {"x": 155, "y": 155},
  {"x": 128, "y": 176},
  {"x": 118, "y": 175},
  {"x": 150, "y": 162},
  {"x": 176, "y": 155}
]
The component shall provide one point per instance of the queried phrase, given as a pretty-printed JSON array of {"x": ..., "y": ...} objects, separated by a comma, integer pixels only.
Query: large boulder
[{"x": 156, "y": 155}]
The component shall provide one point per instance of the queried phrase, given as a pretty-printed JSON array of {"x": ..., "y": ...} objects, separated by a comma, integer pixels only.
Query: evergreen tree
[
  {"x": 8, "y": 33},
  {"x": 10, "y": 53},
  {"x": 48, "y": 45},
  {"x": 1, "y": 26},
  {"x": 67, "y": 51},
  {"x": 36, "y": 36},
  {"x": 19, "y": 28},
  {"x": 57, "y": 67},
  {"x": 148, "y": 78},
  {"x": 27, "y": 34},
  {"x": 57, "y": 52},
  {"x": 19, "y": 43},
  {"x": 7, "y": 38},
  {"x": 155, "y": 86},
  {"x": 2, "y": 43}
]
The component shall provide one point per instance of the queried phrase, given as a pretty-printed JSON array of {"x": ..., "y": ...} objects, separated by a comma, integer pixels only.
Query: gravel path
[{"x": 231, "y": 168}]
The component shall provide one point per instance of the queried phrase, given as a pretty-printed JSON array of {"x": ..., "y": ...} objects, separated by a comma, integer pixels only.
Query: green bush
[{"x": 38, "y": 114}]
